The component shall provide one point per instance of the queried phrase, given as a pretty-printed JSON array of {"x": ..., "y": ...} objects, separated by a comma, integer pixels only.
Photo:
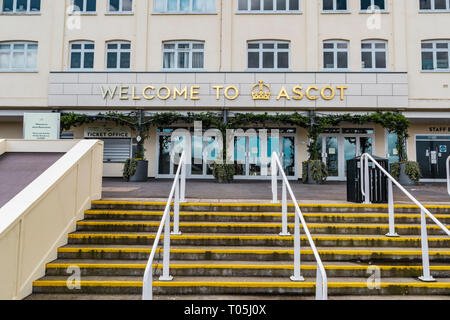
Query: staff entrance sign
[{"x": 41, "y": 126}]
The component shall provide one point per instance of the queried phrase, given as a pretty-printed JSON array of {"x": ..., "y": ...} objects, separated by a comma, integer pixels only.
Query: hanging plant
[{"x": 129, "y": 169}]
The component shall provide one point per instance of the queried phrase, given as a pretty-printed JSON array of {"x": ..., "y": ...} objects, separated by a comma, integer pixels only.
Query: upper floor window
[
  {"x": 21, "y": 6},
  {"x": 18, "y": 56},
  {"x": 185, "y": 6},
  {"x": 183, "y": 55},
  {"x": 268, "y": 5},
  {"x": 335, "y": 55},
  {"x": 118, "y": 55},
  {"x": 435, "y": 55},
  {"x": 435, "y": 5},
  {"x": 268, "y": 55},
  {"x": 85, "y": 6},
  {"x": 373, "y": 4},
  {"x": 374, "y": 54},
  {"x": 334, "y": 5},
  {"x": 82, "y": 55},
  {"x": 121, "y": 6}
]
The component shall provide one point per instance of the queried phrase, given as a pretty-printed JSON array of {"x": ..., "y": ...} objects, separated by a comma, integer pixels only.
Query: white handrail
[
  {"x": 423, "y": 211},
  {"x": 147, "y": 290},
  {"x": 321, "y": 276},
  {"x": 448, "y": 175}
]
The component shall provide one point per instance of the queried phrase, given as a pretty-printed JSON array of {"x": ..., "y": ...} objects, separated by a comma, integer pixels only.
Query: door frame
[{"x": 415, "y": 146}]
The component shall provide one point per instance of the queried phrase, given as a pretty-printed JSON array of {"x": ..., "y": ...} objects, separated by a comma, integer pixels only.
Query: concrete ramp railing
[
  {"x": 2, "y": 146},
  {"x": 37, "y": 220}
]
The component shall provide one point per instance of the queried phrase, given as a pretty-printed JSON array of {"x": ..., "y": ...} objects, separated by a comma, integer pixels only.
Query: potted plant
[
  {"x": 405, "y": 172},
  {"x": 223, "y": 172},
  {"x": 314, "y": 170}
]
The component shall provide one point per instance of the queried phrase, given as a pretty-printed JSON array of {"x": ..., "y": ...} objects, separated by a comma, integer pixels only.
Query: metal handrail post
[
  {"x": 273, "y": 168},
  {"x": 366, "y": 182},
  {"x": 297, "y": 266},
  {"x": 425, "y": 252},
  {"x": 448, "y": 175},
  {"x": 183, "y": 181},
  {"x": 176, "y": 210},
  {"x": 284, "y": 214},
  {"x": 319, "y": 284},
  {"x": 166, "y": 255},
  {"x": 391, "y": 232}
]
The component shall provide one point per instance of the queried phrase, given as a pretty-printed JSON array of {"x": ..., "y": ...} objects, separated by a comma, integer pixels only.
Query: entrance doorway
[
  {"x": 341, "y": 144},
  {"x": 432, "y": 153}
]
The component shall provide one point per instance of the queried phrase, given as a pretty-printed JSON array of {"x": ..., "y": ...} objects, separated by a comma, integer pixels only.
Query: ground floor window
[{"x": 116, "y": 150}]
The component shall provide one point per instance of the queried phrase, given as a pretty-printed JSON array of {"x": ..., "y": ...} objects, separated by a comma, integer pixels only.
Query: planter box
[
  {"x": 141, "y": 174},
  {"x": 403, "y": 179}
]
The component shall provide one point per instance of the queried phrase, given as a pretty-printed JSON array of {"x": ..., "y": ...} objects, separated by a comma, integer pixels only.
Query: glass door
[
  {"x": 330, "y": 154},
  {"x": 167, "y": 149}
]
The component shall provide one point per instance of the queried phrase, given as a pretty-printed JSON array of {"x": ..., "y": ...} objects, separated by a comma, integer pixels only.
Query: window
[
  {"x": 335, "y": 55},
  {"x": 21, "y": 6},
  {"x": 118, "y": 55},
  {"x": 86, "y": 6},
  {"x": 82, "y": 55},
  {"x": 435, "y": 5},
  {"x": 121, "y": 6},
  {"x": 435, "y": 55},
  {"x": 334, "y": 5},
  {"x": 185, "y": 6},
  {"x": 268, "y": 55},
  {"x": 374, "y": 55},
  {"x": 18, "y": 56},
  {"x": 269, "y": 5},
  {"x": 373, "y": 4},
  {"x": 116, "y": 150},
  {"x": 183, "y": 55}
]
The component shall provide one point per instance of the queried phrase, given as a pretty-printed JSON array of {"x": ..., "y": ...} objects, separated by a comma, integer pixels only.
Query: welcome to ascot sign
[{"x": 260, "y": 91}]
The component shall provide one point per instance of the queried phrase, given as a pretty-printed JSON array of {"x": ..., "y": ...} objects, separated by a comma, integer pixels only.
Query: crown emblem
[{"x": 261, "y": 94}]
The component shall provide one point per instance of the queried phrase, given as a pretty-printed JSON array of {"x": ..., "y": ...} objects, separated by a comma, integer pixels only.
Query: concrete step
[
  {"x": 264, "y": 207},
  {"x": 320, "y": 217},
  {"x": 211, "y": 253},
  {"x": 234, "y": 239},
  {"x": 253, "y": 227},
  {"x": 243, "y": 286},
  {"x": 238, "y": 268}
]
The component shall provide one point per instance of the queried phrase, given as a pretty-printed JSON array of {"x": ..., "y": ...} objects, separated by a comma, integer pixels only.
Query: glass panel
[
  {"x": 328, "y": 60},
  {"x": 380, "y": 4},
  {"x": 268, "y": 45},
  {"x": 172, "y": 5},
  {"x": 283, "y": 46},
  {"x": 440, "y": 4},
  {"x": 239, "y": 155},
  {"x": 442, "y": 45},
  {"x": 89, "y": 46},
  {"x": 198, "y": 46},
  {"x": 365, "y": 4},
  {"x": 328, "y": 45},
  {"x": 197, "y": 155},
  {"x": 8, "y": 5},
  {"x": 349, "y": 150},
  {"x": 184, "y": 5},
  {"x": 78, "y": 5},
  {"x": 392, "y": 147},
  {"x": 254, "y": 156},
  {"x": 365, "y": 145},
  {"x": 273, "y": 145},
  {"x": 211, "y": 155},
  {"x": 91, "y": 5},
  {"x": 183, "y": 60},
  {"x": 366, "y": 60},
  {"x": 89, "y": 60},
  {"x": 18, "y": 61},
  {"x": 111, "y": 60},
  {"x": 342, "y": 45},
  {"x": 281, "y": 5},
  {"x": 253, "y": 45},
  {"x": 169, "y": 60},
  {"x": 112, "y": 46},
  {"x": 75, "y": 60},
  {"x": 283, "y": 60},
  {"x": 380, "y": 60},
  {"x": 197, "y": 60},
  {"x": 243, "y": 5},
  {"x": 294, "y": 5},
  {"x": 427, "y": 45},
  {"x": 114, "y": 5},
  {"x": 268, "y": 60},
  {"x": 169, "y": 46},
  {"x": 327, "y": 4},
  {"x": 127, "y": 5},
  {"x": 289, "y": 156},
  {"x": 425, "y": 4},
  {"x": 125, "y": 46},
  {"x": 31, "y": 59},
  {"x": 268, "y": 4},
  {"x": 442, "y": 60},
  {"x": 253, "y": 60},
  {"x": 342, "y": 60},
  {"x": 255, "y": 5},
  {"x": 380, "y": 45},
  {"x": 4, "y": 60},
  {"x": 332, "y": 159},
  {"x": 366, "y": 45},
  {"x": 159, "y": 5},
  {"x": 125, "y": 60},
  {"x": 35, "y": 5},
  {"x": 164, "y": 155},
  {"x": 21, "y": 5},
  {"x": 341, "y": 4},
  {"x": 427, "y": 61}
]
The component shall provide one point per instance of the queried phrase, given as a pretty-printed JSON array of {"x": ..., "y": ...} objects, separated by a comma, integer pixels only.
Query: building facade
[{"x": 275, "y": 56}]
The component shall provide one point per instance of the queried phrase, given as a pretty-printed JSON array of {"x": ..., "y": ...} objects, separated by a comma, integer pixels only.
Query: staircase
[{"x": 233, "y": 251}]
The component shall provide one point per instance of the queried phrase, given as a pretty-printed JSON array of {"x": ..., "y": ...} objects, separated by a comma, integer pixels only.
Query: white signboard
[
  {"x": 41, "y": 126},
  {"x": 107, "y": 132}
]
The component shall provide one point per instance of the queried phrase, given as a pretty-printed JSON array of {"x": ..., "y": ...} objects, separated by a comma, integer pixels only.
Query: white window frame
[
  {"x": 433, "y": 6},
  {"x": 334, "y": 10},
  {"x": 120, "y": 9},
  {"x": 335, "y": 51},
  {"x": 260, "y": 50},
  {"x": 84, "y": 11},
  {"x": 11, "y": 51},
  {"x": 274, "y": 10},
  {"x": 27, "y": 11},
  {"x": 372, "y": 7},
  {"x": 374, "y": 50},
  {"x": 435, "y": 50},
  {"x": 179, "y": 11},
  {"x": 82, "y": 51},
  {"x": 176, "y": 51},
  {"x": 119, "y": 52}
]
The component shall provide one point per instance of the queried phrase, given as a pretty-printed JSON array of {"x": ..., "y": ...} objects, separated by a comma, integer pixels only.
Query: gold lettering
[
  {"x": 158, "y": 93},
  {"x": 144, "y": 93},
  {"x": 109, "y": 92},
  {"x": 236, "y": 92},
  {"x": 298, "y": 91},
  {"x": 123, "y": 92},
  {"x": 133, "y": 93},
  {"x": 324, "y": 97},
  {"x": 342, "y": 89},
  {"x": 176, "y": 93},
  {"x": 218, "y": 88},
  {"x": 308, "y": 95},
  {"x": 283, "y": 94},
  {"x": 195, "y": 93}
]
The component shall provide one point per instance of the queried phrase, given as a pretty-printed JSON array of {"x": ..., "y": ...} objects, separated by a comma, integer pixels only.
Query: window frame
[
  {"x": 372, "y": 5},
  {"x": 274, "y": 11},
  {"x": 84, "y": 11},
  {"x": 433, "y": 6},
  {"x": 119, "y": 52},
  {"x": 177, "y": 50},
  {"x": 261, "y": 50},
  {"x": 335, "y": 51},
  {"x": 82, "y": 51},
  {"x": 179, "y": 11},
  {"x": 27, "y": 11},
  {"x": 334, "y": 10},
  {"x": 373, "y": 50},
  {"x": 120, "y": 10},
  {"x": 434, "y": 50},
  {"x": 25, "y": 55}
]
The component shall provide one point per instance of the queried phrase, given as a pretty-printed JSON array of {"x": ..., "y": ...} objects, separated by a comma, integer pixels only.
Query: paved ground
[
  {"x": 197, "y": 190},
  {"x": 17, "y": 170}
]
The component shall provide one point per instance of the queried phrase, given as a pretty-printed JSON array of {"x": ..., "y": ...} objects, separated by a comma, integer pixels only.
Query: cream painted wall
[{"x": 11, "y": 130}]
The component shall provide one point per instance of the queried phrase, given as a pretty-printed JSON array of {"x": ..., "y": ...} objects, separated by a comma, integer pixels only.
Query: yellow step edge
[
  {"x": 314, "y": 205},
  {"x": 233, "y": 266},
  {"x": 42, "y": 283},
  {"x": 248, "y": 225},
  {"x": 245, "y": 237},
  {"x": 252, "y": 251}
]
